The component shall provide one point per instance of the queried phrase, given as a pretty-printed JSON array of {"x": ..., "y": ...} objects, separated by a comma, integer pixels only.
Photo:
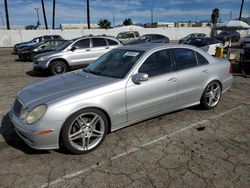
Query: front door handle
[
  {"x": 173, "y": 79},
  {"x": 107, "y": 47},
  {"x": 88, "y": 49}
]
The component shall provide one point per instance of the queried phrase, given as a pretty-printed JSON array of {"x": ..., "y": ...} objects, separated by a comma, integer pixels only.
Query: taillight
[{"x": 230, "y": 69}]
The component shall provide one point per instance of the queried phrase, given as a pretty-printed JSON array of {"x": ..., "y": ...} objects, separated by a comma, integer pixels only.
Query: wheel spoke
[
  {"x": 87, "y": 143},
  {"x": 94, "y": 120},
  {"x": 208, "y": 94},
  {"x": 210, "y": 100},
  {"x": 83, "y": 142},
  {"x": 74, "y": 135},
  {"x": 96, "y": 133}
]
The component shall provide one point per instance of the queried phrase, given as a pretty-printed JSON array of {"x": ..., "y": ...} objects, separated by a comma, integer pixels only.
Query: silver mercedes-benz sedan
[{"x": 124, "y": 86}]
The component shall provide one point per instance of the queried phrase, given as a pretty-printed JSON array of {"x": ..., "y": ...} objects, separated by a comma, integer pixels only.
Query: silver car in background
[
  {"x": 124, "y": 86},
  {"x": 75, "y": 53}
]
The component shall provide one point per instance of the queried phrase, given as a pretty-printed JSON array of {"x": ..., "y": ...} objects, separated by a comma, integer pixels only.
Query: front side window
[
  {"x": 98, "y": 42},
  {"x": 157, "y": 63},
  {"x": 115, "y": 64},
  {"x": 81, "y": 44},
  {"x": 184, "y": 58}
]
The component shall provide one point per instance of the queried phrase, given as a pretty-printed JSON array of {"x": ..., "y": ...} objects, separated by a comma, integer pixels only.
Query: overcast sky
[{"x": 22, "y": 12}]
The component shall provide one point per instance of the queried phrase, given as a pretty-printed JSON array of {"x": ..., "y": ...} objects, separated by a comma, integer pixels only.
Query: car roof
[{"x": 147, "y": 47}]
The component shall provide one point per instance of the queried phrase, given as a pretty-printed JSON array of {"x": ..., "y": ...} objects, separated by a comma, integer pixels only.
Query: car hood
[
  {"x": 54, "y": 53},
  {"x": 24, "y": 43},
  {"x": 61, "y": 86}
]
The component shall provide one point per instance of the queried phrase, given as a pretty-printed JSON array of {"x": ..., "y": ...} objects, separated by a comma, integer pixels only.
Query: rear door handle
[
  {"x": 173, "y": 79},
  {"x": 204, "y": 72},
  {"x": 88, "y": 49}
]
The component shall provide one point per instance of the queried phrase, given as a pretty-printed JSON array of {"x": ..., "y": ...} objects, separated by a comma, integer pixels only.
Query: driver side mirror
[
  {"x": 73, "y": 48},
  {"x": 43, "y": 47},
  {"x": 140, "y": 77}
]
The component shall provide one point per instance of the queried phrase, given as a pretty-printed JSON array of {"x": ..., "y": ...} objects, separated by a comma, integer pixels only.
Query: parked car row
[{"x": 58, "y": 55}]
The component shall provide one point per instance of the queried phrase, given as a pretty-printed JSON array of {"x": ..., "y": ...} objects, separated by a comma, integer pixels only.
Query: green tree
[
  {"x": 127, "y": 21},
  {"x": 214, "y": 20},
  {"x": 104, "y": 23}
]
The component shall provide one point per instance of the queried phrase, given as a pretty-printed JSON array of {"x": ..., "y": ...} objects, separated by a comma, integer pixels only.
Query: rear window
[
  {"x": 201, "y": 59},
  {"x": 111, "y": 42},
  {"x": 184, "y": 58},
  {"x": 97, "y": 42}
]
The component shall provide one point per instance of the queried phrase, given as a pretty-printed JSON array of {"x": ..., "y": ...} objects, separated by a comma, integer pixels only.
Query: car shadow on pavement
[
  {"x": 38, "y": 73},
  {"x": 12, "y": 139}
]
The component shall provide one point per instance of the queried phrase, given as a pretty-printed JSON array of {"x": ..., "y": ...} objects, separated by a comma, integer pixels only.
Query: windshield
[
  {"x": 64, "y": 45},
  {"x": 193, "y": 41},
  {"x": 116, "y": 63}
]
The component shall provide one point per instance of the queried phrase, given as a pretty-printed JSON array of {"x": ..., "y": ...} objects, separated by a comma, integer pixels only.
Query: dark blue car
[{"x": 35, "y": 41}]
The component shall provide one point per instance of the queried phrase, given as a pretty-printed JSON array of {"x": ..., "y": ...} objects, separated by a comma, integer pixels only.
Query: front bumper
[
  {"x": 29, "y": 133},
  {"x": 40, "y": 65}
]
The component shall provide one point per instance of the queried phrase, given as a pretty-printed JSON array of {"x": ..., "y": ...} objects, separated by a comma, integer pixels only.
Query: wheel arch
[{"x": 58, "y": 59}]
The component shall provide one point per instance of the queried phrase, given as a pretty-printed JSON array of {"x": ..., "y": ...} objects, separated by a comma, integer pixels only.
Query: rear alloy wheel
[
  {"x": 58, "y": 67},
  {"x": 84, "y": 131},
  {"x": 211, "y": 96}
]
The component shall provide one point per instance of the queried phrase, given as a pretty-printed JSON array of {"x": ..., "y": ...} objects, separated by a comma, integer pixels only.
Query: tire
[
  {"x": 84, "y": 131},
  {"x": 58, "y": 67},
  {"x": 211, "y": 95}
]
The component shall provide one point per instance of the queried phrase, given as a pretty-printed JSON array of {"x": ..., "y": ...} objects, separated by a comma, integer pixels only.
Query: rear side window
[
  {"x": 201, "y": 59},
  {"x": 84, "y": 43},
  {"x": 184, "y": 58},
  {"x": 157, "y": 63},
  {"x": 111, "y": 42},
  {"x": 98, "y": 42}
]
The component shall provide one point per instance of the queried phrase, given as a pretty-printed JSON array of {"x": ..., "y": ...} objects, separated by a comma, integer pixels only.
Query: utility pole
[
  {"x": 44, "y": 15},
  {"x": 241, "y": 7},
  {"x": 2, "y": 18},
  {"x": 152, "y": 17},
  {"x": 38, "y": 20},
  {"x": 7, "y": 14},
  {"x": 113, "y": 19},
  {"x": 88, "y": 18},
  {"x": 53, "y": 19}
]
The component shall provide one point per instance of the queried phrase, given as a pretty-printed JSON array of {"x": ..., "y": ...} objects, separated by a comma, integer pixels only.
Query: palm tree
[
  {"x": 53, "y": 18},
  {"x": 214, "y": 20},
  {"x": 104, "y": 23},
  {"x": 88, "y": 17},
  {"x": 7, "y": 14},
  {"x": 127, "y": 21},
  {"x": 44, "y": 15}
]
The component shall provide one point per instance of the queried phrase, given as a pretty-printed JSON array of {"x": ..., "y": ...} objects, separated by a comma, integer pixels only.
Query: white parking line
[{"x": 74, "y": 174}]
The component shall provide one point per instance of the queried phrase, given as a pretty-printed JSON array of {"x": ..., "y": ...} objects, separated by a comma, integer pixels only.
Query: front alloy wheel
[
  {"x": 58, "y": 67},
  {"x": 84, "y": 131},
  {"x": 211, "y": 96}
]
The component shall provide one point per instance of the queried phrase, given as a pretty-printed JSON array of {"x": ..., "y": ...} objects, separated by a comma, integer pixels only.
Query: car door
[
  {"x": 158, "y": 93},
  {"x": 191, "y": 77},
  {"x": 99, "y": 47},
  {"x": 80, "y": 53}
]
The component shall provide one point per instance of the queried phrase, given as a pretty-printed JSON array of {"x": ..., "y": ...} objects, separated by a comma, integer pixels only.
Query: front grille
[{"x": 17, "y": 108}]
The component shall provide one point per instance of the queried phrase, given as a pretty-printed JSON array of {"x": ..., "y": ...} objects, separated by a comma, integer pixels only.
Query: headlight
[
  {"x": 43, "y": 58},
  {"x": 35, "y": 114}
]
